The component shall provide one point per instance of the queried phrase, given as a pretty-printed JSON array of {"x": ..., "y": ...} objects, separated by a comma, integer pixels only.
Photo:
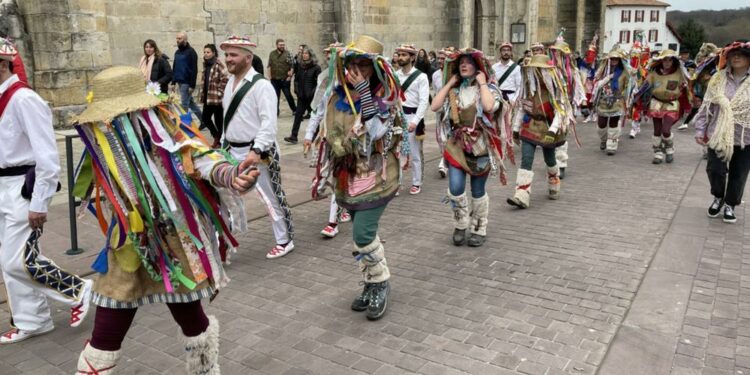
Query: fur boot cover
[
  {"x": 460, "y": 206},
  {"x": 94, "y": 361},
  {"x": 203, "y": 350},
  {"x": 480, "y": 209}
]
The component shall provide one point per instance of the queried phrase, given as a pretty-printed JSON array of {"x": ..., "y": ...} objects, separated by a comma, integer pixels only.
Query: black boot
[
  {"x": 363, "y": 300},
  {"x": 562, "y": 173},
  {"x": 475, "y": 240},
  {"x": 378, "y": 300},
  {"x": 459, "y": 236}
]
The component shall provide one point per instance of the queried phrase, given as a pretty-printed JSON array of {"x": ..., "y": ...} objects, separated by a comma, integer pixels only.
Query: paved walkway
[{"x": 624, "y": 275}]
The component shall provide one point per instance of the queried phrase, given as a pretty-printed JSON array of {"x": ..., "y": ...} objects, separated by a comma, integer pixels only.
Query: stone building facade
[{"x": 66, "y": 42}]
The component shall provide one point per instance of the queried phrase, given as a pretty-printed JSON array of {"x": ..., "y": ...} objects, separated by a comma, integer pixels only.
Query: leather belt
[{"x": 15, "y": 171}]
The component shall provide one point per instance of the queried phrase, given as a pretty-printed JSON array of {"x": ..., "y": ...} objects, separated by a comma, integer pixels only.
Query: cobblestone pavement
[{"x": 557, "y": 288}]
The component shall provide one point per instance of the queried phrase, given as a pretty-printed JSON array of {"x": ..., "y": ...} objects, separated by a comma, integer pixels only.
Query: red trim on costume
[{"x": 8, "y": 94}]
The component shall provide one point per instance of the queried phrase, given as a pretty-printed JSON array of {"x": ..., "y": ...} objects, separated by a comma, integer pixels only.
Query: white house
[{"x": 624, "y": 19}]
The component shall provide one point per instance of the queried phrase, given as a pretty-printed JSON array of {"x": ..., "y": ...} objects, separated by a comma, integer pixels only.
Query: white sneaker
[
  {"x": 279, "y": 251},
  {"x": 683, "y": 126},
  {"x": 78, "y": 313},
  {"x": 330, "y": 231},
  {"x": 15, "y": 335}
]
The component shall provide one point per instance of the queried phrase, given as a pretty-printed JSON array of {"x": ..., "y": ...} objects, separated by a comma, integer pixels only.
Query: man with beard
[
  {"x": 416, "y": 88},
  {"x": 507, "y": 73},
  {"x": 280, "y": 65},
  {"x": 250, "y": 135},
  {"x": 185, "y": 73}
]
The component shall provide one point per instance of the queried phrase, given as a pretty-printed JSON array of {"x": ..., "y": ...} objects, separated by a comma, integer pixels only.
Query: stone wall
[{"x": 66, "y": 42}]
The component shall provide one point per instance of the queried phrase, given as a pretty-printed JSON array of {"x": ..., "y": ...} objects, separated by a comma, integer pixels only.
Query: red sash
[{"x": 5, "y": 98}]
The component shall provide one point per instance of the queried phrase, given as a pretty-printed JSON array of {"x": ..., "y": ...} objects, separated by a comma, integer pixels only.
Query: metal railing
[{"x": 72, "y": 203}]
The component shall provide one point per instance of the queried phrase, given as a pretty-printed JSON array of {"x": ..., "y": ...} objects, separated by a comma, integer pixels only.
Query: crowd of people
[{"x": 168, "y": 199}]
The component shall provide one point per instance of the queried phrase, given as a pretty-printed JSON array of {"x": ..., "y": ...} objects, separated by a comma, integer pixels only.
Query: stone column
[
  {"x": 71, "y": 45},
  {"x": 466, "y": 23},
  {"x": 11, "y": 26}
]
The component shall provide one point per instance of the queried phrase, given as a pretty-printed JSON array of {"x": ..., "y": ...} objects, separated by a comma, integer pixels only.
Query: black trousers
[
  {"x": 215, "y": 126},
  {"x": 302, "y": 105},
  {"x": 280, "y": 85},
  {"x": 728, "y": 183}
]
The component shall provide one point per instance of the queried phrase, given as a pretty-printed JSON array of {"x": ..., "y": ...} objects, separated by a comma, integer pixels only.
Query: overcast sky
[{"x": 686, "y": 5}]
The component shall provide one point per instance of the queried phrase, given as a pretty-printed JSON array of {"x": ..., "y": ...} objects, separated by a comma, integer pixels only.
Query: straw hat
[
  {"x": 561, "y": 46},
  {"x": 117, "y": 90},
  {"x": 368, "y": 45},
  {"x": 408, "y": 48},
  {"x": 7, "y": 50},
  {"x": 505, "y": 45},
  {"x": 666, "y": 54},
  {"x": 238, "y": 42},
  {"x": 540, "y": 61},
  {"x": 616, "y": 53},
  {"x": 536, "y": 45}
]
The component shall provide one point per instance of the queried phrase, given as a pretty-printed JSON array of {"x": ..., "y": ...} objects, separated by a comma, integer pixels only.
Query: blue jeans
[
  {"x": 528, "y": 150},
  {"x": 457, "y": 182},
  {"x": 186, "y": 100}
]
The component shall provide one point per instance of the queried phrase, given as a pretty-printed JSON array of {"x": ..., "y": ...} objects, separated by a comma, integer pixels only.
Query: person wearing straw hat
[
  {"x": 723, "y": 124},
  {"x": 250, "y": 135},
  {"x": 669, "y": 100},
  {"x": 165, "y": 228},
  {"x": 562, "y": 58},
  {"x": 639, "y": 59},
  {"x": 362, "y": 142},
  {"x": 473, "y": 107},
  {"x": 508, "y": 73},
  {"x": 542, "y": 121},
  {"x": 28, "y": 180},
  {"x": 610, "y": 100},
  {"x": 437, "y": 84},
  {"x": 336, "y": 214},
  {"x": 416, "y": 89}
]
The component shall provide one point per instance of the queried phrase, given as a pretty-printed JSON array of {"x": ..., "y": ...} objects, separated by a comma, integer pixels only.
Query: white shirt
[
  {"x": 513, "y": 82},
  {"x": 28, "y": 117},
  {"x": 417, "y": 94},
  {"x": 255, "y": 118},
  {"x": 437, "y": 80}
]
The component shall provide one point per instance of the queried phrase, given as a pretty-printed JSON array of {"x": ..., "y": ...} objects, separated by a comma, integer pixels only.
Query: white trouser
[
  {"x": 416, "y": 154},
  {"x": 275, "y": 204},
  {"x": 334, "y": 212},
  {"x": 27, "y": 298}
]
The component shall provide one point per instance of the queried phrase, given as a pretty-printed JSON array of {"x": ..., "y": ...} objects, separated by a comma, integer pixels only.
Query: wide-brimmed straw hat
[
  {"x": 408, "y": 48},
  {"x": 117, "y": 90},
  {"x": 368, "y": 45},
  {"x": 7, "y": 50},
  {"x": 540, "y": 61},
  {"x": 241, "y": 42},
  {"x": 667, "y": 53},
  {"x": 616, "y": 53}
]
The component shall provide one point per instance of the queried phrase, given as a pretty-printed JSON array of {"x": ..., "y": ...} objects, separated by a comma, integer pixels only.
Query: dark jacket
[
  {"x": 161, "y": 72},
  {"x": 306, "y": 78},
  {"x": 185, "y": 68}
]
